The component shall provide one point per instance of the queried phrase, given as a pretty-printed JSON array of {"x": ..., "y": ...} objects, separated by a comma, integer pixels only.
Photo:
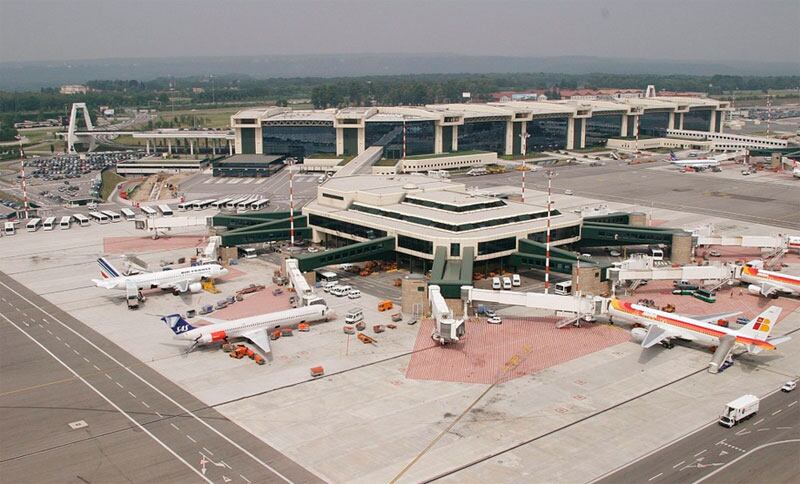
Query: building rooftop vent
[{"x": 410, "y": 186}]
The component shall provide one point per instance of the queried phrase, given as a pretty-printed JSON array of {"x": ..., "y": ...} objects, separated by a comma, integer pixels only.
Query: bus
[
  {"x": 563, "y": 288},
  {"x": 82, "y": 220},
  {"x": 245, "y": 204},
  {"x": 65, "y": 223},
  {"x": 184, "y": 206},
  {"x": 220, "y": 203},
  {"x": 33, "y": 224},
  {"x": 113, "y": 216},
  {"x": 49, "y": 222},
  {"x": 259, "y": 204},
  {"x": 10, "y": 228},
  {"x": 202, "y": 204},
  {"x": 98, "y": 217},
  {"x": 128, "y": 214},
  {"x": 234, "y": 202},
  {"x": 149, "y": 211},
  {"x": 165, "y": 210}
]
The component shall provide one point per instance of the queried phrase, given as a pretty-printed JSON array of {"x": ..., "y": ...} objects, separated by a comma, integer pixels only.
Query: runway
[
  {"x": 77, "y": 408},
  {"x": 764, "y": 448}
]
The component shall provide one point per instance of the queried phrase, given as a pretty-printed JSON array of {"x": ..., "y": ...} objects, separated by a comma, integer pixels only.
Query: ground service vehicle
[
  {"x": 506, "y": 283},
  {"x": 66, "y": 222},
  {"x": 564, "y": 288},
  {"x": 516, "y": 281},
  {"x": 496, "y": 283},
  {"x": 354, "y": 294},
  {"x": 789, "y": 386},
  {"x": 385, "y": 305},
  {"x": 49, "y": 223},
  {"x": 738, "y": 410},
  {"x": 704, "y": 295},
  {"x": 354, "y": 315},
  {"x": 685, "y": 286},
  {"x": 10, "y": 228},
  {"x": 33, "y": 224}
]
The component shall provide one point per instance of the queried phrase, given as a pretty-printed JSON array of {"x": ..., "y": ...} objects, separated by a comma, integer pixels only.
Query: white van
[
  {"x": 496, "y": 283},
  {"x": 564, "y": 288},
  {"x": 516, "y": 281},
  {"x": 657, "y": 254},
  {"x": 340, "y": 291},
  {"x": 328, "y": 285},
  {"x": 354, "y": 294},
  {"x": 506, "y": 283},
  {"x": 353, "y": 316}
]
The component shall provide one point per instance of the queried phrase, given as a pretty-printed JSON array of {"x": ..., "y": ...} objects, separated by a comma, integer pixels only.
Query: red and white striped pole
[
  {"x": 291, "y": 203},
  {"x": 550, "y": 174},
  {"x": 22, "y": 180},
  {"x": 404, "y": 139}
]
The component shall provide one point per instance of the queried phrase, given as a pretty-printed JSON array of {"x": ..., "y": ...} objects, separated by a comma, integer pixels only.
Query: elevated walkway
[
  {"x": 594, "y": 234},
  {"x": 246, "y": 219},
  {"x": 535, "y": 300},
  {"x": 274, "y": 230},
  {"x": 451, "y": 274},
  {"x": 534, "y": 254},
  {"x": 358, "y": 252},
  {"x": 361, "y": 164}
]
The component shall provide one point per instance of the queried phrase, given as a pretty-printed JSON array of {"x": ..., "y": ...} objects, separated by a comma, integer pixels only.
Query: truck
[{"x": 739, "y": 410}]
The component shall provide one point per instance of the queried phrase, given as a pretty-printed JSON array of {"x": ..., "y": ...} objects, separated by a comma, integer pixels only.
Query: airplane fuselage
[
  {"x": 687, "y": 328},
  {"x": 238, "y": 328},
  {"x": 787, "y": 284},
  {"x": 165, "y": 278}
]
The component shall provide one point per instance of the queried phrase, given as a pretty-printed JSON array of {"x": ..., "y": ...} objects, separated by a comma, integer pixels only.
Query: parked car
[
  {"x": 568, "y": 192},
  {"x": 715, "y": 253},
  {"x": 494, "y": 320},
  {"x": 685, "y": 286},
  {"x": 789, "y": 386},
  {"x": 614, "y": 253}
]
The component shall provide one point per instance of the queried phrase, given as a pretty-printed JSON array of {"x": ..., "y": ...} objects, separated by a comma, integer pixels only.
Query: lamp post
[
  {"x": 550, "y": 174},
  {"x": 523, "y": 145}
]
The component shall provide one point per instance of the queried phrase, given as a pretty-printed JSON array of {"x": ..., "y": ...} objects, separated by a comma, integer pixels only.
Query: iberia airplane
[
  {"x": 768, "y": 283},
  {"x": 663, "y": 327}
]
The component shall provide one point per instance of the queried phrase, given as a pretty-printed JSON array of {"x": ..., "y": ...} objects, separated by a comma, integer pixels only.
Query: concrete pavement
[
  {"x": 735, "y": 455},
  {"x": 123, "y": 413}
]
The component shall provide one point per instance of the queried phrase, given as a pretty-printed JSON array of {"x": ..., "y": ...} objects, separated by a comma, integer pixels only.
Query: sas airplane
[
  {"x": 175, "y": 280},
  {"x": 661, "y": 327},
  {"x": 253, "y": 329},
  {"x": 768, "y": 283}
]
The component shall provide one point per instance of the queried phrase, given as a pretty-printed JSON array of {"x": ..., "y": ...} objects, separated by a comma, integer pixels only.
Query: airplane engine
[
  {"x": 195, "y": 287},
  {"x": 754, "y": 289},
  {"x": 638, "y": 334}
]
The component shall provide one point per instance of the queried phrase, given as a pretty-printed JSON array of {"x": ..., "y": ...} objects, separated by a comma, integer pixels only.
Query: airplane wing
[
  {"x": 181, "y": 285},
  {"x": 656, "y": 334},
  {"x": 259, "y": 338},
  {"x": 713, "y": 318},
  {"x": 768, "y": 289}
]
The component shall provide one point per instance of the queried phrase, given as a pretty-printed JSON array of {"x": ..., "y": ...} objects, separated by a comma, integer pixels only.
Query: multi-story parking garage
[{"x": 507, "y": 128}]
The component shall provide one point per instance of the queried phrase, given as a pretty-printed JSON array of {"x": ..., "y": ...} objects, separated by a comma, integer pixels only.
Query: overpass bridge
[{"x": 90, "y": 135}]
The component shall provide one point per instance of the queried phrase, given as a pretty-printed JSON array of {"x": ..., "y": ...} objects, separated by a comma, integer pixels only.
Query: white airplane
[
  {"x": 254, "y": 329},
  {"x": 176, "y": 280},
  {"x": 768, "y": 283},
  {"x": 663, "y": 327},
  {"x": 693, "y": 162}
]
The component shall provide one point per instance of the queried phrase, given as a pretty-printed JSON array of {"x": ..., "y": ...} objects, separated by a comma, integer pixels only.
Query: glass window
[
  {"x": 654, "y": 124},
  {"x": 330, "y": 195},
  {"x": 455, "y": 208},
  {"x": 546, "y": 134},
  {"x": 482, "y": 135},
  {"x": 455, "y": 250},
  {"x": 556, "y": 234},
  {"x": 345, "y": 227},
  {"x": 499, "y": 245},
  {"x": 299, "y": 141},
  {"x": 697, "y": 119},
  {"x": 419, "y": 245},
  {"x": 600, "y": 127},
  {"x": 419, "y": 137}
]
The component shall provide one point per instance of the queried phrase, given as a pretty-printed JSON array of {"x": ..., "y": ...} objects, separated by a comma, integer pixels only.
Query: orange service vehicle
[{"x": 385, "y": 305}]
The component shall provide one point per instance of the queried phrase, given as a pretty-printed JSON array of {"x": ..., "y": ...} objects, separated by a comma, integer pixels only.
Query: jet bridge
[
  {"x": 582, "y": 306},
  {"x": 305, "y": 294},
  {"x": 641, "y": 267},
  {"x": 447, "y": 329}
]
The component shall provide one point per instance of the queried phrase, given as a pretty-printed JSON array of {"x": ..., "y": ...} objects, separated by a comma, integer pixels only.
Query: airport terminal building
[
  {"x": 506, "y": 128},
  {"x": 422, "y": 214}
]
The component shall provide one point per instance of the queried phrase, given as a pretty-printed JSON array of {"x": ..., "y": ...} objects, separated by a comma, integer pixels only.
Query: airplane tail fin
[
  {"x": 107, "y": 270},
  {"x": 760, "y": 326},
  {"x": 672, "y": 156},
  {"x": 177, "y": 324}
]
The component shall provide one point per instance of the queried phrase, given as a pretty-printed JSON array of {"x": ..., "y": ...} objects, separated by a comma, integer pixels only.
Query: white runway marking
[
  {"x": 656, "y": 476},
  {"x": 758, "y": 422},
  {"x": 776, "y": 412},
  {"x": 145, "y": 404},
  {"x": 208, "y": 452},
  {"x": 96, "y": 367},
  {"x": 159, "y": 415},
  {"x": 108, "y": 400},
  {"x": 86, "y": 359},
  {"x": 794, "y": 402},
  {"x": 154, "y": 388},
  {"x": 119, "y": 384},
  {"x": 701, "y": 452},
  {"x": 108, "y": 376},
  {"x": 190, "y": 438},
  {"x": 131, "y": 394},
  {"x": 175, "y": 426},
  {"x": 678, "y": 464}
]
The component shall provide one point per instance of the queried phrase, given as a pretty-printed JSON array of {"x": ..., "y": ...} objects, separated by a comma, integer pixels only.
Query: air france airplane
[{"x": 175, "y": 280}]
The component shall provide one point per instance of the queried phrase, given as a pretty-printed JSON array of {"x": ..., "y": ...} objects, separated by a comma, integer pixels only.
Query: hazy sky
[{"x": 752, "y": 30}]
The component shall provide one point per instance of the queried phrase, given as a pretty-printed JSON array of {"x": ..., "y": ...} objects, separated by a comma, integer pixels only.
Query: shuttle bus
[
  {"x": 49, "y": 222},
  {"x": 128, "y": 214},
  {"x": 184, "y": 206},
  {"x": 33, "y": 224},
  {"x": 65, "y": 223},
  {"x": 259, "y": 204},
  {"x": 149, "y": 211},
  {"x": 9, "y": 229},
  {"x": 564, "y": 288},
  {"x": 202, "y": 204},
  {"x": 235, "y": 201},
  {"x": 82, "y": 220},
  {"x": 98, "y": 217},
  {"x": 245, "y": 204},
  {"x": 220, "y": 203},
  {"x": 113, "y": 216},
  {"x": 165, "y": 210}
]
